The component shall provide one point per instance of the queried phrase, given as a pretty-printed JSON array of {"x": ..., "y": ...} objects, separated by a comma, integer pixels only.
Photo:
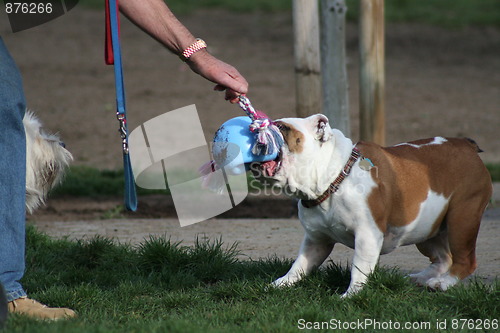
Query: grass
[
  {"x": 448, "y": 13},
  {"x": 494, "y": 170},
  {"x": 84, "y": 181},
  {"x": 163, "y": 286}
]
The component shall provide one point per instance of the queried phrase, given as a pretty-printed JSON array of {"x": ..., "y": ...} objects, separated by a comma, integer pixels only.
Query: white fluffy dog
[{"x": 46, "y": 161}]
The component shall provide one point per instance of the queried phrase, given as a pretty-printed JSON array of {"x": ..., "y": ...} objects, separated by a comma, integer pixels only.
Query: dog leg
[
  {"x": 312, "y": 253},
  {"x": 463, "y": 227},
  {"x": 367, "y": 246},
  {"x": 438, "y": 251}
]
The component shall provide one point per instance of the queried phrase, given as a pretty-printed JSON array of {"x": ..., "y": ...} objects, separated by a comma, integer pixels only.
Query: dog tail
[{"x": 475, "y": 145}]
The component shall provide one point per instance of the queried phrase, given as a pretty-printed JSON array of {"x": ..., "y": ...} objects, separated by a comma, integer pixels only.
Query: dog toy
[
  {"x": 268, "y": 138},
  {"x": 239, "y": 142}
]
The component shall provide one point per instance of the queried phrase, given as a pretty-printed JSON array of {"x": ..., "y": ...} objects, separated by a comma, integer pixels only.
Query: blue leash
[{"x": 121, "y": 113}]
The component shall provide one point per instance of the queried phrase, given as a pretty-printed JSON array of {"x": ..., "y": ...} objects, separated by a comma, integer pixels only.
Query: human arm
[{"x": 156, "y": 19}]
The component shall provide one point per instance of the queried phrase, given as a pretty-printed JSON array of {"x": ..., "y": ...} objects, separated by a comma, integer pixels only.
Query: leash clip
[{"x": 123, "y": 131}]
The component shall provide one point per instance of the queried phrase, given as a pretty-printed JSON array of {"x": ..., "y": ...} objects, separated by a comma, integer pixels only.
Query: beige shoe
[{"x": 36, "y": 310}]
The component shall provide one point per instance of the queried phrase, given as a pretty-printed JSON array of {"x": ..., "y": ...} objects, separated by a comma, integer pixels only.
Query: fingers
[
  {"x": 230, "y": 81},
  {"x": 226, "y": 77},
  {"x": 231, "y": 95},
  {"x": 238, "y": 83}
]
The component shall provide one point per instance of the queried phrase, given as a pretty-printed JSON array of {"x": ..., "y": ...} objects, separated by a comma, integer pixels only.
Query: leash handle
[
  {"x": 108, "y": 44},
  {"x": 113, "y": 56}
]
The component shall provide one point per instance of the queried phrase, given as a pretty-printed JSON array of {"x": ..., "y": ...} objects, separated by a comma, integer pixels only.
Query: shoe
[
  {"x": 36, "y": 310},
  {"x": 3, "y": 307}
]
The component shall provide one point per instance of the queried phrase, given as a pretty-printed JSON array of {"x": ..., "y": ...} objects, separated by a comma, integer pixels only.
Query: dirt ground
[{"x": 438, "y": 82}]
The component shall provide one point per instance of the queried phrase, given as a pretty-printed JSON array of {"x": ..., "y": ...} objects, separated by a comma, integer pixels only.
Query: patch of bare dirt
[{"x": 156, "y": 206}]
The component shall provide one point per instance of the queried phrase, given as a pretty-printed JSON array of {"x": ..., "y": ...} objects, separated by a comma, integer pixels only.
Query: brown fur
[
  {"x": 405, "y": 174},
  {"x": 294, "y": 139}
]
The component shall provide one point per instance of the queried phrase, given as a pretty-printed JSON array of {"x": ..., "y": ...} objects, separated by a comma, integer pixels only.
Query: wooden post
[
  {"x": 371, "y": 44},
  {"x": 333, "y": 64},
  {"x": 307, "y": 59}
]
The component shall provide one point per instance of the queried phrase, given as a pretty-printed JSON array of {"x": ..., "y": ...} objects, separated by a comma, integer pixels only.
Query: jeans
[{"x": 12, "y": 176}]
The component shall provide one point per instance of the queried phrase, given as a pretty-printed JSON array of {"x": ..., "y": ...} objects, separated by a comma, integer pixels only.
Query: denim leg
[{"x": 12, "y": 176}]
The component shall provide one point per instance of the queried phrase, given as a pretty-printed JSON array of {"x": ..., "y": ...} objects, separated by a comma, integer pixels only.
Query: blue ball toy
[{"x": 231, "y": 139}]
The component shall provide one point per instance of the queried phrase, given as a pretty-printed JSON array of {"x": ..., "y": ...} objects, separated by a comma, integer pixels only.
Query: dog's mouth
[{"x": 270, "y": 168}]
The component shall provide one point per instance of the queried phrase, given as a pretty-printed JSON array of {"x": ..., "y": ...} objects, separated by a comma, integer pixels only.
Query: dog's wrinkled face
[
  {"x": 46, "y": 161},
  {"x": 298, "y": 165}
]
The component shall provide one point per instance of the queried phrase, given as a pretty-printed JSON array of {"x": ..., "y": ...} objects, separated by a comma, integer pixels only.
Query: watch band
[{"x": 193, "y": 48}]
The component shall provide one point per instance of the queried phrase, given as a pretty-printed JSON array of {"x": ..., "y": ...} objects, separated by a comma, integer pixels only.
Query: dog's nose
[{"x": 62, "y": 144}]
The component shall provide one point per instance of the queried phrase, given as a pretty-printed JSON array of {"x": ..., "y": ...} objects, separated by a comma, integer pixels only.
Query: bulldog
[{"x": 373, "y": 199}]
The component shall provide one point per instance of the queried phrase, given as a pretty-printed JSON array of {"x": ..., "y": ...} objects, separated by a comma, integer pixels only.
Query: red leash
[{"x": 109, "y": 57}]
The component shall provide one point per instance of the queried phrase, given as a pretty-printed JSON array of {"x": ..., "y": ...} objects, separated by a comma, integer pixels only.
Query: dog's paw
[
  {"x": 443, "y": 282},
  {"x": 345, "y": 295},
  {"x": 276, "y": 284},
  {"x": 282, "y": 282},
  {"x": 433, "y": 271},
  {"x": 420, "y": 279},
  {"x": 353, "y": 289}
]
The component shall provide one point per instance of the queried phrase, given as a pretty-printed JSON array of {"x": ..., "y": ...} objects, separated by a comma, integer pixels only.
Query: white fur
[
  {"x": 345, "y": 216},
  {"x": 308, "y": 174},
  {"x": 418, "y": 229},
  {"x": 442, "y": 282},
  {"x": 46, "y": 161},
  {"x": 438, "y": 140}
]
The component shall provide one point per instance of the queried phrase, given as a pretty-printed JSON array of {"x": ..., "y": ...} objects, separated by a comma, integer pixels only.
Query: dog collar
[{"x": 334, "y": 186}]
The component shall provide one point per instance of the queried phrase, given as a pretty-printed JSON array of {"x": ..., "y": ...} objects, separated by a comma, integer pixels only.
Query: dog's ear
[{"x": 322, "y": 128}]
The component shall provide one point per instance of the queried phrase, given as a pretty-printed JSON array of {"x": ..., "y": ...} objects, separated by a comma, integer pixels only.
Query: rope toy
[
  {"x": 268, "y": 136},
  {"x": 268, "y": 141}
]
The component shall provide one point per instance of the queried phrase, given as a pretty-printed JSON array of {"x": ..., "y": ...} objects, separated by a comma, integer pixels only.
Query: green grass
[
  {"x": 88, "y": 181},
  {"x": 449, "y": 13},
  {"x": 163, "y": 286},
  {"x": 494, "y": 170},
  {"x": 84, "y": 181}
]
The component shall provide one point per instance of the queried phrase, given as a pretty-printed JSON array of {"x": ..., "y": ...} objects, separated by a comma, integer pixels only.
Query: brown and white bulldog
[{"x": 430, "y": 192}]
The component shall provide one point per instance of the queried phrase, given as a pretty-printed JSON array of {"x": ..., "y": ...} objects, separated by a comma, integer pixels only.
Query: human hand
[{"x": 224, "y": 75}]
